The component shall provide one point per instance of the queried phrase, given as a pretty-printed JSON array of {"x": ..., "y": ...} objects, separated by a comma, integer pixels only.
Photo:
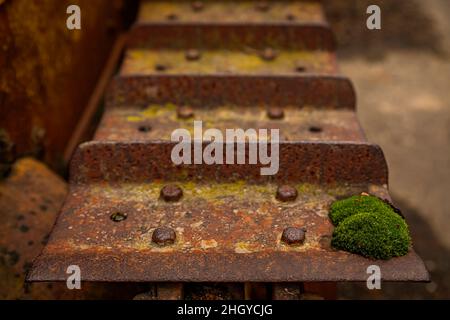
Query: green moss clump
[
  {"x": 379, "y": 236},
  {"x": 342, "y": 209}
]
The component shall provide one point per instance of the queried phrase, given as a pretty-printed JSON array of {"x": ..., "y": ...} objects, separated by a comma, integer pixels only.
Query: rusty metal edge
[
  {"x": 327, "y": 91},
  {"x": 224, "y": 267},
  {"x": 308, "y": 36},
  {"x": 330, "y": 162}
]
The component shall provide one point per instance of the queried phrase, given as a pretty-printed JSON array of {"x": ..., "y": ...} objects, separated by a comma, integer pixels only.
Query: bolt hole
[
  {"x": 118, "y": 216},
  {"x": 290, "y": 17},
  {"x": 160, "y": 67},
  {"x": 145, "y": 128},
  {"x": 300, "y": 69},
  {"x": 172, "y": 17},
  {"x": 315, "y": 129}
]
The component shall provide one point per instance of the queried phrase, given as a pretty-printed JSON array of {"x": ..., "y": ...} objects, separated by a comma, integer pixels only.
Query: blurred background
[
  {"x": 401, "y": 74},
  {"x": 402, "y": 78}
]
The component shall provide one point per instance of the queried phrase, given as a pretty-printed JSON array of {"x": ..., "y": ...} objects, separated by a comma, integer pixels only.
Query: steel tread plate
[{"x": 157, "y": 122}]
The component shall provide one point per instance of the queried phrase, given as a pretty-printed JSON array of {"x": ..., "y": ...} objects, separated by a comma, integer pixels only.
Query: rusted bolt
[
  {"x": 164, "y": 236},
  {"x": 293, "y": 236},
  {"x": 185, "y": 112},
  {"x": 290, "y": 17},
  {"x": 262, "y": 6},
  {"x": 193, "y": 55},
  {"x": 315, "y": 129},
  {"x": 197, "y": 6},
  {"x": 286, "y": 193},
  {"x": 275, "y": 113},
  {"x": 171, "y": 193},
  {"x": 268, "y": 54},
  {"x": 161, "y": 67},
  {"x": 118, "y": 216},
  {"x": 172, "y": 17}
]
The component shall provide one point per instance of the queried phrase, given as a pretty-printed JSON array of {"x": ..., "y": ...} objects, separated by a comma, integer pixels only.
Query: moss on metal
[
  {"x": 368, "y": 226},
  {"x": 342, "y": 209}
]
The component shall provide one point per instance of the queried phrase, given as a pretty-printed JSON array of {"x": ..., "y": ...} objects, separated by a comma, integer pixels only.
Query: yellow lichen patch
[
  {"x": 134, "y": 119},
  {"x": 246, "y": 61},
  {"x": 243, "y": 247},
  {"x": 228, "y": 11}
]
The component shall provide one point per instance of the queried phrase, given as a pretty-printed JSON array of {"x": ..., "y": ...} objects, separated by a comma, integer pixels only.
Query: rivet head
[
  {"x": 286, "y": 193},
  {"x": 197, "y": 6},
  {"x": 192, "y": 55},
  {"x": 118, "y": 216},
  {"x": 185, "y": 112},
  {"x": 275, "y": 113},
  {"x": 262, "y": 6},
  {"x": 269, "y": 54},
  {"x": 293, "y": 236},
  {"x": 171, "y": 193},
  {"x": 164, "y": 236}
]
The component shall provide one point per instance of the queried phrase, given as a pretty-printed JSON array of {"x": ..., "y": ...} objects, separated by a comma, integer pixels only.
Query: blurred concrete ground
[{"x": 402, "y": 78}]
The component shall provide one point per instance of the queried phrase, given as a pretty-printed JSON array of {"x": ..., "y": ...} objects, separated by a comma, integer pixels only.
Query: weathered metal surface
[
  {"x": 231, "y": 11},
  {"x": 157, "y": 122},
  {"x": 132, "y": 215},
  {"x": 225, "y": 24},
  {"x": 211, "y": 243},
  {"x": 30, "y": 199},
  {"x": 245, "y": 61},
  {"x": 299, "y": 162},
  {"x": 47, "y": 71},
  {"x": 237, "y": 90}
]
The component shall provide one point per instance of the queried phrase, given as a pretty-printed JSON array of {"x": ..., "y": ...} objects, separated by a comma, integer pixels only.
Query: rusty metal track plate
[
  {"x": 241, "y": 90},
  {"x": 231, "y": 11},
  {"x": 157, "y": 122},
  {"x": 246, "y": 61},
  {"x": 228, "y": 226},
  {"x": 224, "y": 24}
]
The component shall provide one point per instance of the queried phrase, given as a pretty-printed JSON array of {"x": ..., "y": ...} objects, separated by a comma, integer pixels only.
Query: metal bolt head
[
  {"x": 293, "y": 236},
  {"x": 185, "y": 112},
  {"x": 269, "y": 54},
  {"x": 197, "y": 6},
  {"x": 118, "y": 216},
  {"x": 286, "y": 193},
  {"x": 262, "y": 6},
  {"x": 193, "y": 55},
  {"x": 171, "y": 193},
  {"x": 275, "y": 113},
  {"x": 164, "y": 236}
]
